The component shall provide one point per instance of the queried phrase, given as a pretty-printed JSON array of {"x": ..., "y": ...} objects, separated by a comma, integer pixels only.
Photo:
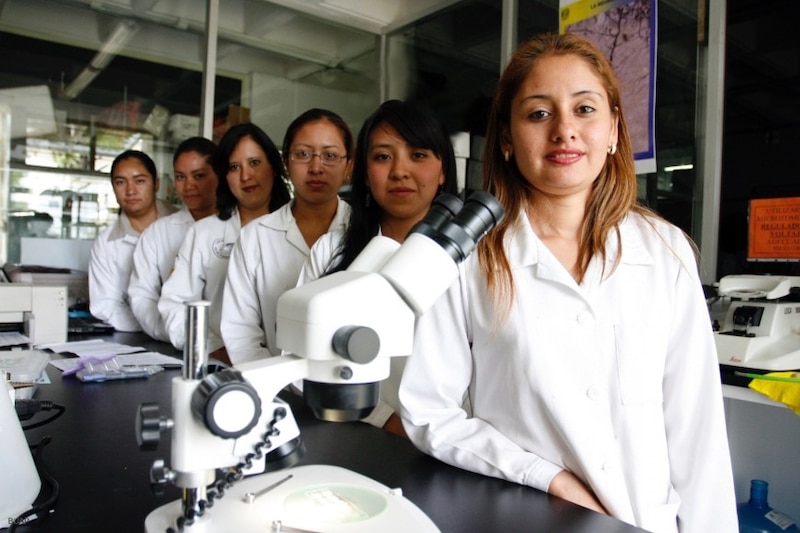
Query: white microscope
[
  {"x": 338, "y": 334},
  {"x": 761, "y": 328}
]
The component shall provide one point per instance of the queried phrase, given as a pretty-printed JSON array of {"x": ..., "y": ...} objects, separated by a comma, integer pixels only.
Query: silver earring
[
  {"x": 612, "y": 149},
  {"x": 507, "y": 155}
]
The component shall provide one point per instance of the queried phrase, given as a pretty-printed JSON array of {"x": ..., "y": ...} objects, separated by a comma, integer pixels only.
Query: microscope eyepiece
[
  {"x": 444, "y": 207},
  {"x": 457, "y": 228}
]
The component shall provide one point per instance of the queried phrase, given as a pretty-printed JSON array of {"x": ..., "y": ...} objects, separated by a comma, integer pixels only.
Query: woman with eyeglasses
[
  {"x": 267, "y": 259},
  {"x": 251, "y": 184},
  {"x": 404, "y": 159}
]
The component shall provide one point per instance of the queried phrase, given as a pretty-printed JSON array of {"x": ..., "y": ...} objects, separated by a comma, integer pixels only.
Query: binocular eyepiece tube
[{"x": 457, "y": 227}]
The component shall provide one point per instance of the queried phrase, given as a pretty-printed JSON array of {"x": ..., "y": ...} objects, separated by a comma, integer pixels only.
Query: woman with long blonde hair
[{"x": 578, "y": 332}]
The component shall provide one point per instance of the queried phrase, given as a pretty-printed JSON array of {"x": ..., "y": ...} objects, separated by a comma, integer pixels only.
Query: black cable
[
  {"x": 49, "y": 504},
  {"x": 26, "y": 409}
]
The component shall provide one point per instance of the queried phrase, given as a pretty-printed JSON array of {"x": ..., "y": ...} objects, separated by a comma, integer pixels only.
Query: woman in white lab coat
[
  {"x": 578, "y": 331},
  {"x": 135, "y": 183},
  {"x": 404, "y": 158},
  {"x": 266, "y": 261},
  {"x": 196, "y": 185},
  {"x": 251, "y": 184}
]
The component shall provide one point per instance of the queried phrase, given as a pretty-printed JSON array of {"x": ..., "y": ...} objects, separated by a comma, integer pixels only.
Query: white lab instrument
[
  {"x": 20, "y": 483},
  {"x": 37, "y": 310},
  {"x": 337, "y": 334},
  {"x": 761, "y": 328},
  {"x": 305, "y": 498}
]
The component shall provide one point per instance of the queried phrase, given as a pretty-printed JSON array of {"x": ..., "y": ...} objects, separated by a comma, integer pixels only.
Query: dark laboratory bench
[{"x": 104, "y": 485}]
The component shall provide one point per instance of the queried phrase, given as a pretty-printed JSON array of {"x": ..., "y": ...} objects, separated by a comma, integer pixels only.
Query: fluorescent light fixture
[
  {"x": 118, "y": 38},
  {"x": 673, "y": 168}
]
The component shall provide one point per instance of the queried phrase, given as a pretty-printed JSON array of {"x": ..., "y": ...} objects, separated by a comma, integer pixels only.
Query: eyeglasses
[{"x": 326, "y": 158}]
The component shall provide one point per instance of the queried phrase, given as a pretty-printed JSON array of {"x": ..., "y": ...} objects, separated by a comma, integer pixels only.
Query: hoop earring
[{"x": 612, "y": 149}]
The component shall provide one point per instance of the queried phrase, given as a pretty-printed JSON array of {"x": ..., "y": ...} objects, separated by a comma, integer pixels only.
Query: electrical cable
[
  {"x": 26, "y": 409},
  {"x": 46, "y": 506}
]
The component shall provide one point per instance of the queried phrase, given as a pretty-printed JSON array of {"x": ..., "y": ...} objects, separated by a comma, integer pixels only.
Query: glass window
[{"x": 83, "y": 81}]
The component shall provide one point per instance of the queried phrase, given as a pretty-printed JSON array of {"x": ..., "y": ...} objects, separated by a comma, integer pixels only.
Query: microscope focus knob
[
  {"x": 160, "y": 475},
  {"x": 227, "y": 404},
  {"x": 149, "y": 425},
  {"x": 359, "y": 344}
]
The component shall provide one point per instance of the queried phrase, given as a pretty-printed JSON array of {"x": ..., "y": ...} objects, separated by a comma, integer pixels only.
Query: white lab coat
[
  {"x": 110, "y": 265},
  {"x": 616, "y": 380},
  {"x": 153, "y": 259},
  {"x": 199, "y": 274},
  {"x": 315, "y": 266},
  {"x": 264, "y": 264}
]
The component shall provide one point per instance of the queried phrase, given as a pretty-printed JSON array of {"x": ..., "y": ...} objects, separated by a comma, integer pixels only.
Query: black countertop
[{"x": 104, "y": 485}]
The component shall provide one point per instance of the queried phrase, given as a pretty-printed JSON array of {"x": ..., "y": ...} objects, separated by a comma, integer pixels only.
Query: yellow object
[{"x": 786, "y": 392}]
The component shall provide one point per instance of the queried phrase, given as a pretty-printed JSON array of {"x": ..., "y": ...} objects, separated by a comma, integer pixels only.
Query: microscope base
[{"x": 304, "y": 498}]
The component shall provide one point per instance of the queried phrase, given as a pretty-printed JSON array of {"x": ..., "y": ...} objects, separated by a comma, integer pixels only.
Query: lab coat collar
[
  {"x": 280, "y": 220},
  {"x": 123, "y": 228},
  {"x": 283, "y": 219},
  {"x": 634, "y": 231},
  {"x": 181, "y": 217},
  {"x": 523, "y": 249}
]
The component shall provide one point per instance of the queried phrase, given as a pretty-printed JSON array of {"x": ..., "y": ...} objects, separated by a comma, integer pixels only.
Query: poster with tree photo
[{"x": 625, "y": 30}]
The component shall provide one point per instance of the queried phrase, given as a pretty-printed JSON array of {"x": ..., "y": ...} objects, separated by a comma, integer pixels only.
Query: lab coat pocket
[
  {"x": 641, "y": 352},
  {"x": 662, "y": 517}
]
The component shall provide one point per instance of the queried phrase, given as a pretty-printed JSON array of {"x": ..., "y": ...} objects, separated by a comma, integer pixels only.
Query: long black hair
[
  {"x": 226, "y": 201},
  {"x": 421, "y": 128}
]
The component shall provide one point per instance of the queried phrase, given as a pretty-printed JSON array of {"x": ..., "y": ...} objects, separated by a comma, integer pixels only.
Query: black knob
[
  {"x": 359, "y": 344},
  {"x": 160, "y": 475},
  {"x": 149, "y": 426},
  {"x": 227, "y": 404}
]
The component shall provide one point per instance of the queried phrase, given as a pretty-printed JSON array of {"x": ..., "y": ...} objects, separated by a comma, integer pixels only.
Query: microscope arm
[{"x": 343, "y": 328}]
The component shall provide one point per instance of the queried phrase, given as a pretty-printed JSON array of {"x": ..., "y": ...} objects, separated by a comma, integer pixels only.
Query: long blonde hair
[{"x": 614, "y": 192}]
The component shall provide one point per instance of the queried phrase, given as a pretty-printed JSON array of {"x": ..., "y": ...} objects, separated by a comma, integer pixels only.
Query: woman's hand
[
  {"x": 567, "y": 486},
  {"x": 395, "y": 425},
  {"x": 221, "y": 355}
]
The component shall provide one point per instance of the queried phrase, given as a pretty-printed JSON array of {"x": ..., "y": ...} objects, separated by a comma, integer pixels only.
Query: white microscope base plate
[{"x": 316, "y": 498}]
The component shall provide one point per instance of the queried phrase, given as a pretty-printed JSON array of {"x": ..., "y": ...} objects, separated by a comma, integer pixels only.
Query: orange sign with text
[{"x": 774, "y": 229}]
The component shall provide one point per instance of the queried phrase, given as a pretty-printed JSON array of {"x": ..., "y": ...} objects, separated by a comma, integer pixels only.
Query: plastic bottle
[{"x": 756, "y": 516}]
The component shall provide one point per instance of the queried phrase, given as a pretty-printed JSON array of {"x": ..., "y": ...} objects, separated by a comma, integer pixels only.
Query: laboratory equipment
[
  {"x": 37, "y": 310},
  {"x": 756, "y": 516},
  {"x": 23, "y": 369},
  {"x": 337, "y": 335},
  {"x": 20, "y": 483},
  {"x": 761, "y": 327}
]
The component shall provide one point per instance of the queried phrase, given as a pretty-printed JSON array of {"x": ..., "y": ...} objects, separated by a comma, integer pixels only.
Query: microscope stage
[{"x": 312, "y": 498}]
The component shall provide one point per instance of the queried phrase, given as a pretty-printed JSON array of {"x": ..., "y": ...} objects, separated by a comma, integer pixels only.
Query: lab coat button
[
  {"x": 609, "y": 467},
  {"x": 585, "y": 318},
  {"x": 593, "y": 393}
]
